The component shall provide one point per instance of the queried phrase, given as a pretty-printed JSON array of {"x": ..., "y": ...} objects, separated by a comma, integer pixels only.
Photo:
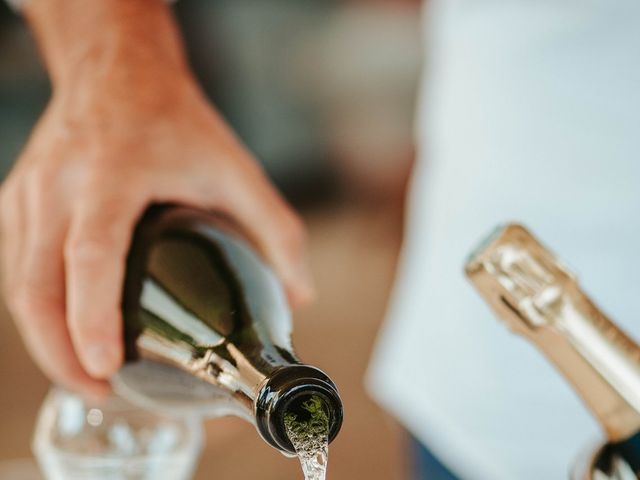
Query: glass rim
[
  {"x": 191, "y": 447},
  {"x": 192, "y": 443}
]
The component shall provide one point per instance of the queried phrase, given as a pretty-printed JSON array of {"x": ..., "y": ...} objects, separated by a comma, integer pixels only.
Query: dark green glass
[{"x": 207, "y": 328}]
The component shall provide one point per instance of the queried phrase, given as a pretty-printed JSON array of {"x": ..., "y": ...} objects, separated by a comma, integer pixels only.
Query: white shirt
[{"x": 531, "y": 112}]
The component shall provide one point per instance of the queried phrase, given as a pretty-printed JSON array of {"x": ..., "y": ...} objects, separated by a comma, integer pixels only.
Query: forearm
[{"x": 119, "y": 41}]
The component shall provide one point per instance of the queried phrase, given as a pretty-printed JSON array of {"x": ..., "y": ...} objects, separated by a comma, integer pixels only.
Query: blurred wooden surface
[{"x": 353, "y": 257}]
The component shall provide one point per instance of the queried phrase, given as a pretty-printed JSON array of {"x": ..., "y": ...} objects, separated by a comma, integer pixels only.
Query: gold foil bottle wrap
[{"x": 539, "y": 298}]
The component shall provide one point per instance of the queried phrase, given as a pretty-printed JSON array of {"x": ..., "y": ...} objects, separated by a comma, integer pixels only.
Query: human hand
[{"x": 124, "y": 129}]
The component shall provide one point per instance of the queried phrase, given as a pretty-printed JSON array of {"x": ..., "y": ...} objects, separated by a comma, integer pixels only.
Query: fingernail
[{"x": 99, "y": 360}]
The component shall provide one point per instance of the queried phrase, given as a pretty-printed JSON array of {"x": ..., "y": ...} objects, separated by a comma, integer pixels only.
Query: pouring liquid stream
[{"x": 308, "y": 429}]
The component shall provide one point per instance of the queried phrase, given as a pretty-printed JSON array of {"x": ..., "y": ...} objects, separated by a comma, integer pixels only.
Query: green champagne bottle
[{"x": 207, "y": 329}]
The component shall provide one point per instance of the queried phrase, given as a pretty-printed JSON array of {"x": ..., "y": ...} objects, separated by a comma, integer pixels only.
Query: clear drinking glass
[{"x": 110, "y": 439}]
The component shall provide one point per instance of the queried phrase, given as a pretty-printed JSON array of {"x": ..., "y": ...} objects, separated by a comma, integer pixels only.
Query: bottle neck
[
  {"x": 261, "y": 398},
  {"x": 598, "y": 359},
  {"x": 539, "y": 299}
]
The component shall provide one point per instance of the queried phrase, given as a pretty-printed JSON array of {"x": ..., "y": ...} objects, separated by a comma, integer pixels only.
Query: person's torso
[{"x": 530, "y": 112}]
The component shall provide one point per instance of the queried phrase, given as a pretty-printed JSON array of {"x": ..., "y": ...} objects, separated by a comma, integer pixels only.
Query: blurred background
[{"x": 323, "y": 92}]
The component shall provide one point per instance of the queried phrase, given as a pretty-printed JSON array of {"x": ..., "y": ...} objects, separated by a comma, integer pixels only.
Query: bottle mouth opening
[
  {"x": 295, "y": 400},
  {"x": 288, "y": 391}
]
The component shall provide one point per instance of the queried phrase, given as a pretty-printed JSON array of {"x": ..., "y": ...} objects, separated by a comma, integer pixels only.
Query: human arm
[{"x": 126, "y": 126}]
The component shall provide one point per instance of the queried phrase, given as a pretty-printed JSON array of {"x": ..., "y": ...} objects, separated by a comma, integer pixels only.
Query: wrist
[{"x": 106, "y": 41}]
